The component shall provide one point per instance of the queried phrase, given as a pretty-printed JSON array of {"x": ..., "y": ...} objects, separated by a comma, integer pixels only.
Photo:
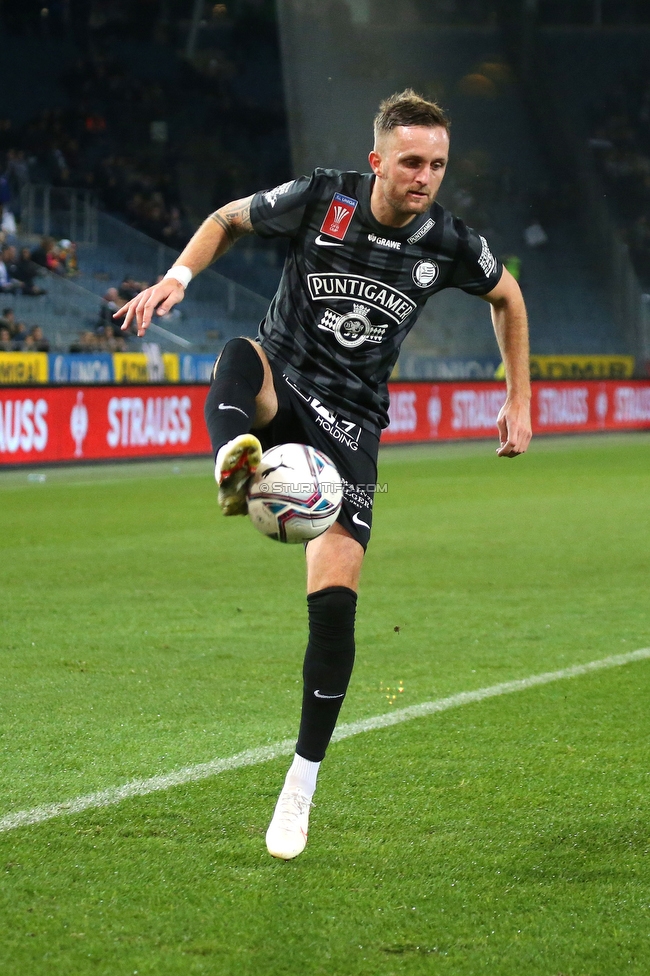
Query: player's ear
[{"x": 375, "y": 162}]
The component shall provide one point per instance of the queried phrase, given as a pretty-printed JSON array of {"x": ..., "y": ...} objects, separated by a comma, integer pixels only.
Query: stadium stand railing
[
  {"x": 59, "y": 211},
  {"x": 215, "y": 309}
]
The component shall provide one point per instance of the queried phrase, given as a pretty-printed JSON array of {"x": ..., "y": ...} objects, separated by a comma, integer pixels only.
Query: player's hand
[
  {"x": 161, "y": 298},
  {"x": 514, "y": 426}
]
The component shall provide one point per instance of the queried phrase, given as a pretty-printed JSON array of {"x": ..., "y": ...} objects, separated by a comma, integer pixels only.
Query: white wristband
[{"x": 180, "y": 272}]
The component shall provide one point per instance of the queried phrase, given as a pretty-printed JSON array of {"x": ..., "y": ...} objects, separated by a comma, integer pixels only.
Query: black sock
[
  {"x": 328, "y": 665},
  {"x": 236, "y": 380}
]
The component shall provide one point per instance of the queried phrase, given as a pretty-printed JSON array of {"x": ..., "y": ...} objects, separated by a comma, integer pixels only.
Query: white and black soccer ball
[{"x": 295, "y": 493}]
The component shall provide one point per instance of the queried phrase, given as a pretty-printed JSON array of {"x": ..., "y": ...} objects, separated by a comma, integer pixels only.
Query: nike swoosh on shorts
[
  {"x": 227, "y": 406},
  {"x": 318, "y": 695},
  {"x": 359, "y": 521},
  {"x": 319, "y": 240}
]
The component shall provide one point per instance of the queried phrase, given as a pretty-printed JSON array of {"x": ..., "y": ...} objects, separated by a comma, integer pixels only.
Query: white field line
[{"x": 192, "y": 774}]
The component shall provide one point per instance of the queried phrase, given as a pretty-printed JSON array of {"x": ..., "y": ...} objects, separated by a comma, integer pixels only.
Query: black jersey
[{"x": 352, "y": 288}]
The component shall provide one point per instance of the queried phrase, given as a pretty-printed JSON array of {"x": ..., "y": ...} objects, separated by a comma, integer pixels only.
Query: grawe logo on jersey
[{"x": 338, "y": 217}]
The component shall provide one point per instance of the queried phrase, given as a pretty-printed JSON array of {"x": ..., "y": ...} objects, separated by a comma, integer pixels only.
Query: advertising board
[
  {"x": 450, "y": 411},
  {"x": 23, "y": 367},
  {"x": 70, "y": 423},
  {"x": 101, "y": 423}
]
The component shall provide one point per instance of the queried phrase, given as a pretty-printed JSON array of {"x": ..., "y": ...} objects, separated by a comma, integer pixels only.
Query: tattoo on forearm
[
  {"x": 223, "y": 223},
  {"x": 235, "y": 219}
]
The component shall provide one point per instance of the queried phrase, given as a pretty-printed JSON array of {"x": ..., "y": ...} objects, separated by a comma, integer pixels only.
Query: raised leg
[{"x": 241, "y": 397}]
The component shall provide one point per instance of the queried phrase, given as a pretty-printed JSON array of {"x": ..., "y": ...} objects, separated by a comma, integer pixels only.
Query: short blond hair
[{"x": 408, "y": 108}]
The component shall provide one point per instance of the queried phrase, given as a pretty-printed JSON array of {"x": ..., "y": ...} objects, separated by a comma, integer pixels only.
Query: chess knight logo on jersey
[{"x": 353, "y": 328}]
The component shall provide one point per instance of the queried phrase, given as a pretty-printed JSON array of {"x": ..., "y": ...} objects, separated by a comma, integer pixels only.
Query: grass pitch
[{"x": 141, "y": 632}]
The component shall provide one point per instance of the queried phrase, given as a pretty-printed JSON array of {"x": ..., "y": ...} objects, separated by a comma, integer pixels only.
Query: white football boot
[
  {"x": 286, "y": 837},
  {"x": 236, "y": 462}
]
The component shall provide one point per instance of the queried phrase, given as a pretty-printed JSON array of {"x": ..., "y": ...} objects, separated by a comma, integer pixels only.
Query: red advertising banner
[
  {"x": 53, "y": 424},
  {"x": 449, "y": 411},
  {"x": 100, "y": 423}
]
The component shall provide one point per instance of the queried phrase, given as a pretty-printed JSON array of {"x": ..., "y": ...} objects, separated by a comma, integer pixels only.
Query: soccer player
[{"x": 366, "y": 252}]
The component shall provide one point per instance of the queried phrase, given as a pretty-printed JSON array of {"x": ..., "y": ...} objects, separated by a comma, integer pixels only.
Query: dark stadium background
[
  {"x": 123, "y": 124},
  {"x": 485, "y": 808}
]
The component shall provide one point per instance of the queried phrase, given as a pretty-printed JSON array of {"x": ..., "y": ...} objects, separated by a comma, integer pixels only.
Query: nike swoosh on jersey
[
  {"x": 359, "y": 521},
  {"x": 318, "y": 695},
  {"x": 319, "y": 240},
  {"x": 227, "y": 406}
]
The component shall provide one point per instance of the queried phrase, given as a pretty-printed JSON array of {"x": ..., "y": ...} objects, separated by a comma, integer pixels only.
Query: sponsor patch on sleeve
[
  {"x": 487, "y": 261},
  {"x": 338, "y": 217},
  {"x": 271, "y": 196}
]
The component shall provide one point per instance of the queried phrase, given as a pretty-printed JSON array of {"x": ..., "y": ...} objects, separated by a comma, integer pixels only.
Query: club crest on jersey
[
  {"x": 338, "y": 217},
  {"x": 425, "y": 273},
  {"x": 353, "y": 328}
]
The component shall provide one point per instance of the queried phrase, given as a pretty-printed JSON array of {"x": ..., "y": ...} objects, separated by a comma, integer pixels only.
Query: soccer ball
[{"x": 295, "y": 493}]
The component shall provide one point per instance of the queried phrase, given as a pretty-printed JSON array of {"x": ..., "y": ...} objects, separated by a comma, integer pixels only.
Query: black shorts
[{"x": 303, "y": 419}]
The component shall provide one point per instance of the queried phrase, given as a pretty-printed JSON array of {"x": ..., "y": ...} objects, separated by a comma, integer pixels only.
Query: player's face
[{"x": 409, "y": 164}]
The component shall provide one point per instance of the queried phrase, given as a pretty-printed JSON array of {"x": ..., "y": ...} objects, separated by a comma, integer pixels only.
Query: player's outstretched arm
[
  {"x": 511, "y": 329},
  {"x": 213, "y": 238}
]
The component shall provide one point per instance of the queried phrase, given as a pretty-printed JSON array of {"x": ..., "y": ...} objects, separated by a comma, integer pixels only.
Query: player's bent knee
[{"x": 239, "y": 355}]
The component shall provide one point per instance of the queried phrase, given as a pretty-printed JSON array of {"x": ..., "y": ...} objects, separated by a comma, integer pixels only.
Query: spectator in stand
[
  {"x": 173, "y": 232},
  {"x": 111, "y": 301},
  {"x": 8, "y": 283},
  {"x": 86, "y": 343},
  {"x": 8, "y": 224},
  {"x": 27, "y": 270},
  {"x": 109, "y": 341},
  {"x": 72, "y": 260},
  {"x": 66, "y": 255},
  {"x": 19, "y": 335},
  {"x": 6, "y": 345},
  {"x": 153, "y": 219},
  {"x": 40, "y": 253},
  {"x": 55, "y": 260},
  {"x": 10, "y": 258},
  {"x": 37, "y": 340},
  {"x": 8, "y": 320},
  {"x": 130, "y": 288}
]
